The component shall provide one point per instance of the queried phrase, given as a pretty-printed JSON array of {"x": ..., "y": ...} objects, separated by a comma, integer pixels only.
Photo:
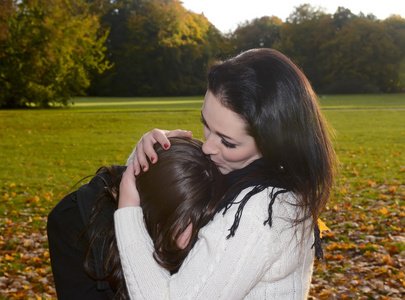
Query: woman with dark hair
[
  {"x": 178, "y": 196},
  {"x": 265, "y": 132}
]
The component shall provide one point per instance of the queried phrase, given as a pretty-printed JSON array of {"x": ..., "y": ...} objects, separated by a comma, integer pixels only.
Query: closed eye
[
  {"x": 227, "y": 144},
  {"x": 203, "y": 122},
  {"x": 223, "y": 140}
]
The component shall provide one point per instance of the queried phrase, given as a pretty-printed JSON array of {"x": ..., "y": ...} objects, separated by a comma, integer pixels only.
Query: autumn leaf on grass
[
  {"x": 383, "y": 211},
  {"x": 8, "y": 257},
  {"x": 322, "y": 227}
]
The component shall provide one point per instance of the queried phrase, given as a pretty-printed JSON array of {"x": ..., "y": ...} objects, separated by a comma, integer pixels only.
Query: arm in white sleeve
[{"x": 216, "y": 267}]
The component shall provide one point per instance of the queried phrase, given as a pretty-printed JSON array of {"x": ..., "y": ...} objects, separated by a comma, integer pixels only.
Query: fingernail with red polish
[
  {"x": 144, "y": 168},
  {"x": 166, "y": 146},
  {"x": 152, "y": 159}
]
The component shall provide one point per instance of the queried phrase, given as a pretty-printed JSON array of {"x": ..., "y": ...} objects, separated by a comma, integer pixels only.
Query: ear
[{"x": 184, "y": 237}]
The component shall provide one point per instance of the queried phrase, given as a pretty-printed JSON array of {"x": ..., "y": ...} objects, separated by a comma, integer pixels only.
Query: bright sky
[{"x": 227, "y": 14}]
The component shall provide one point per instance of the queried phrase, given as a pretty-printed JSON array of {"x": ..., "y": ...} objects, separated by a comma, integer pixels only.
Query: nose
[{"x": 209, "y": 147}]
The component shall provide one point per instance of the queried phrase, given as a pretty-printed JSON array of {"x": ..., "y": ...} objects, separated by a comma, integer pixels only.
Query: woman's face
[{"x": 226, "y": 140}]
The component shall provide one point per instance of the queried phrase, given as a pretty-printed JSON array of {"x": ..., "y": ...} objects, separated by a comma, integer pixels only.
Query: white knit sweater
[{"x": 257, "y": 263}]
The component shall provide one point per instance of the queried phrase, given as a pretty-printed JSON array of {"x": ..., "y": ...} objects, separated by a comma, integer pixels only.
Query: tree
[
  {"x": 48, "y": 50},
  {"x": 258, "y": 33},
  {"x": 176, "y": 40},
  {"x": 345, "y": 53},
  {"x": 305, "y": 12},
  {"x": 158, "y": 48},
  {"x": 395, "y": 26},
  {"x": 361, "y": 58},
  {"x": 342, "y": 17},
  {"x": 302, "y": 38}
]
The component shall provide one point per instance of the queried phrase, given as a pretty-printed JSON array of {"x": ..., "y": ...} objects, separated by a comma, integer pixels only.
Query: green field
[
  {"x": 43, "y": 153},
  {"x": 195, "y": 102}
]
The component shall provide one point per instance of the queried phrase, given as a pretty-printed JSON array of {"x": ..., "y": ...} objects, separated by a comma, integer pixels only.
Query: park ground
[{"x": 44, "y": 153}]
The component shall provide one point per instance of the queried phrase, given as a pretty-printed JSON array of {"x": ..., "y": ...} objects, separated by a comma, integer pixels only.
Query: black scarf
[{"x": 260, "y": 175}]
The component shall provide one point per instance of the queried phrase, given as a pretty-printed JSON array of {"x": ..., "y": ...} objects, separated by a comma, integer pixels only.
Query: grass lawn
[{"x": 45, "y": 152}]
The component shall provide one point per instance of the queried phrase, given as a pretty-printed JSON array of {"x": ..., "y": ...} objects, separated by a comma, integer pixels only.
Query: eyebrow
[{"x": 218, "y": 133}]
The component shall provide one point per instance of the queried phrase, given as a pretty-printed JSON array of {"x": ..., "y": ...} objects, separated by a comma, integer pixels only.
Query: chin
[{"x": 223, "y": 171}]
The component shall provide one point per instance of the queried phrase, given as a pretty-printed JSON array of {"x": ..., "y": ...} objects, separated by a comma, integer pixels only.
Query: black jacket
[{"x": 67, "y": 244}]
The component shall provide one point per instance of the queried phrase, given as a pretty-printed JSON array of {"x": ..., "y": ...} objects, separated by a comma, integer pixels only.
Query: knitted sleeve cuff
[{"x": 129, "y": 225}]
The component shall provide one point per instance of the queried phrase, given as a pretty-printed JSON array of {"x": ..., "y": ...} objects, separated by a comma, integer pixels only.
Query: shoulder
[
  {"x": 88, "y": 194},
  {"x": 252, "y": 215},
  {"x": 105, "y": 176},
  {"x": 271, "y": 243},
  {"x": 282, "y": 203},
  {"x": 271, "y": 214},
  {"x": 278, "y": 245}
]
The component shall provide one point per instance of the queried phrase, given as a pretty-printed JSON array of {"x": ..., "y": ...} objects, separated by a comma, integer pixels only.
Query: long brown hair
[
  {"x": 183, "y": 187},
  {"x": 275, "y": 99}
]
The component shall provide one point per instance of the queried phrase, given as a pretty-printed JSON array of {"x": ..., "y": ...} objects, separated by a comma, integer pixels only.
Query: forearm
[{"x": 142, "y": 274}]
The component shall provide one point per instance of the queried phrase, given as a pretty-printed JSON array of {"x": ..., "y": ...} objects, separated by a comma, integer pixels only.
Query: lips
[{"x": 216, "y": 163}]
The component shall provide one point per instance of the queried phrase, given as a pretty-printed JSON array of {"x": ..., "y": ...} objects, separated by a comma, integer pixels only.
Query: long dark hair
[
  {"x": 183, "y": 187},
  {"x": 281, "y": 113}
]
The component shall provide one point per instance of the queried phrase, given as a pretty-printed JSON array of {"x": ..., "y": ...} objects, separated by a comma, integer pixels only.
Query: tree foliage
[
  {"x": 158, "y": 48},
  {"x": 305, "y": 12},
  {"x": 51, "y": 50},
  {"x": 361, "y": 58},
  {"x": 302, "y": 42},
  {"x": 345, "y": 53},
  {"x": 259, "y": 33},
  {"x": 339, "y": 53},
  {"x": 48, "y": 49}
]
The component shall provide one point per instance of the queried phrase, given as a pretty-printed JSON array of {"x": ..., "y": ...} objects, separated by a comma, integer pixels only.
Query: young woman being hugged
[
  {"x": 178, "y": 196},
  {"x": 263, "y": 129}
]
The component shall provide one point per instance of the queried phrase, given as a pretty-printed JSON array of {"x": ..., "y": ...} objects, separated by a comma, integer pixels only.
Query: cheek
[
  {"x": 184, "y": 238},
  {"x": 240, "y": 157},
  {"x": 235, "y": 156}
]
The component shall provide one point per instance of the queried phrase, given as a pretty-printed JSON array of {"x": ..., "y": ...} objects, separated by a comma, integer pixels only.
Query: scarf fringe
[
  {"x": 270, "y": 208},
  {"x": 257, "y": 189},
  {"x": 317, "y": 243},
  {"x": 258, "y": 174},
  {"x": 242, "y": 203}
]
